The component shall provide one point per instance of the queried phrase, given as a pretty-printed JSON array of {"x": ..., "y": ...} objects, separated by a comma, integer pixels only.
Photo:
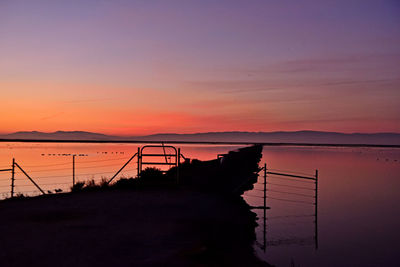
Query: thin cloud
[
  {"x": 231, "y": 86},
  {"x": 52, "y": 116},
  {"x": 85, "y": 101}
]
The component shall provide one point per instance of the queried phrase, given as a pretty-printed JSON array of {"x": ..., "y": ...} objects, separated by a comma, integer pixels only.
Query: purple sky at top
[{"x": 208, "y": 65}]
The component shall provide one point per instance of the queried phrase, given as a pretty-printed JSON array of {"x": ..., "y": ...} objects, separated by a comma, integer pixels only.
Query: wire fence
[
  {"x": 62, "y": 176},
  {"x": 294, "y": 190},
  {"x": 62, "y": 180}
]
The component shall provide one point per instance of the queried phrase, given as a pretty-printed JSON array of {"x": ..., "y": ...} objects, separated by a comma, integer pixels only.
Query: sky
[{"x": 142, "y": 67}]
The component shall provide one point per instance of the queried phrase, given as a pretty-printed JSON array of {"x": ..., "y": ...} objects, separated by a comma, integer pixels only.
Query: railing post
[
  {"x": 73, "y": 170},
  {"x": 12, "y": 177}
]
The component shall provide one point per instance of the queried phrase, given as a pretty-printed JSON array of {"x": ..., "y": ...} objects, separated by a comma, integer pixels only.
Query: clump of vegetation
[
  {"x": 19, "y": 195},
  {"x": 90, "y": 185},
  {"x": 126, "y": 183},
  {"x": 148, "y": 177},
  {"x": 78, "y": 187},
  {"x": 151, "y": 175}
]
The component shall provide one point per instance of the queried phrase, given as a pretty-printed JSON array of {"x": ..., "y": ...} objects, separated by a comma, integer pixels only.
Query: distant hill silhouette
[
  {"x": 59, "y": 135},
  {"x": 314, "y": 137}
]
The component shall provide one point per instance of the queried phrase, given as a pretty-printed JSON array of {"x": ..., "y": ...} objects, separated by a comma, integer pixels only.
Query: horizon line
[
  {"x": 197, "y": 142},
  {"x": 193, "y": 133}
]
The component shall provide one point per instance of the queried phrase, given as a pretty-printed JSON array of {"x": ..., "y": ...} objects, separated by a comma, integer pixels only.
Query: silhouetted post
[
  {"x": 73, "y": 170},
  {"x": 138, "y": 161},
  {"x": 178, "y": 159},
  {"x": 316, "y": 209},
  {"x": 12, "y": 177},
  {"x": 265, "y": 185},
  {"x": 265, "y": 207}
]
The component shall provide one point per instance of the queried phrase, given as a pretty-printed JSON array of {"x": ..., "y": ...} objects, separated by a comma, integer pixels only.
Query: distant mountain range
[
  {"x": 314, "y": 137},
  {"x": 59, "y": 135}
]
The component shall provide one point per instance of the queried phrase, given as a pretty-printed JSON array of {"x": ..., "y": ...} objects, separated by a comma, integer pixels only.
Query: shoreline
[{"x": 194, "y": 143}]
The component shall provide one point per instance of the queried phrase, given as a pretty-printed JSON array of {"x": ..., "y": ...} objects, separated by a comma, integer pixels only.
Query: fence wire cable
[
  {"x": 249, "y": 195},
  {"x": 290, "y": 200},
  {"x": 297, "y": 187},
  {"x": 64, "y": 169},
  {"x": 294, "y": 172},
  {"x": 70, "y": 163},
  {"x": 101, "y": 160},
  {"x": 290, "y": 179},
  {"x": 284, "y": 192},
  {"x": 289, "y": 216},
  {"x": 50, "y": 170},
  {"x": 48, "y": 165},
  {"x": 78, "y": 174}
]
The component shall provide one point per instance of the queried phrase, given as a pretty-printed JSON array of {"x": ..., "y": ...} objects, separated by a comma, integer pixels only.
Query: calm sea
[{"x": 358, "y": 195}]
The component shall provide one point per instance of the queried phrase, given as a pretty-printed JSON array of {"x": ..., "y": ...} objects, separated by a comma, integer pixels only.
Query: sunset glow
[{"x": 143, "y": 67}]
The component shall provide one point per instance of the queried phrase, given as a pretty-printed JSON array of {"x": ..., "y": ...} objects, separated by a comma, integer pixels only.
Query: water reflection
[
  {"x": 291, "y": 183},
  {"x": 358, "y": 196}
]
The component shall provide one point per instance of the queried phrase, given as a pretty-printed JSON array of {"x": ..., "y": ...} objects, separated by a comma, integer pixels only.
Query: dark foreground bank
[{"x": 152, "y": 227}]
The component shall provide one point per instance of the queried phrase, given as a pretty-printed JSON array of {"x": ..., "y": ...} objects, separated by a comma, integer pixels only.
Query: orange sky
[{"x": 189, "y": 67}]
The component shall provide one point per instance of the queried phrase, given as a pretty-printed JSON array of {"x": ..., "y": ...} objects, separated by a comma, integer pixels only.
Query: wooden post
[
  {"x": 73, "y": 170},
  {"x": 12, "y": 177},
  {"x": 316, "y": 209}
]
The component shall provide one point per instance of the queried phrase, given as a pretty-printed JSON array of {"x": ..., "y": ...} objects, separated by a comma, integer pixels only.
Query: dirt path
[{"x": 127, "y": 228}]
